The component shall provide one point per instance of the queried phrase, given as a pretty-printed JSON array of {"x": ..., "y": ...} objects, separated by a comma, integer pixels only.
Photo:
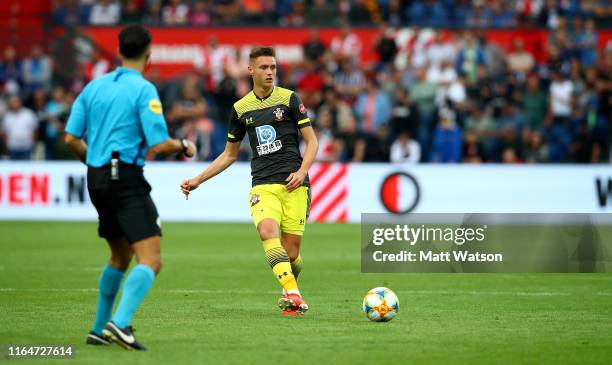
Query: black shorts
[{"x": 125, "y": 207}]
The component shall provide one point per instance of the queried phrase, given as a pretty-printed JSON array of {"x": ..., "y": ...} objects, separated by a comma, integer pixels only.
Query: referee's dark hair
[
  {"x": 134, "y": 41},
  {"x": 261, "y": 51}
]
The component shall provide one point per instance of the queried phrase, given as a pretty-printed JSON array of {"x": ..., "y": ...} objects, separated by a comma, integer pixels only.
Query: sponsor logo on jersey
[{"x": 266, "y": 136}]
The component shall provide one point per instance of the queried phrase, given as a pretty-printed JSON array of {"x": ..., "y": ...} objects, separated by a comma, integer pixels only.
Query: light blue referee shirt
[{"x": 119, "y": 111}]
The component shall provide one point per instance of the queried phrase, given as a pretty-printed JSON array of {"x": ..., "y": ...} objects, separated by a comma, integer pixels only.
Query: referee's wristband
[{"x": 185, "y": 144}]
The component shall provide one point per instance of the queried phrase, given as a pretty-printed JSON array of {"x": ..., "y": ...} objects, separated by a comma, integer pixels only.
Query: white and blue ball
[{"x": 380, "y": 304}]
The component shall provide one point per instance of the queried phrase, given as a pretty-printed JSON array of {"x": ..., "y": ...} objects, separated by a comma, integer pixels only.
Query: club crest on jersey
[
  {"x": 278, "y": 114},
  {"x": 254, "y": 199}
]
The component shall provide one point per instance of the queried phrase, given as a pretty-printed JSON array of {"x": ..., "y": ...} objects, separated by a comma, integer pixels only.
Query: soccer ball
[{"x": 380, "y": 304}]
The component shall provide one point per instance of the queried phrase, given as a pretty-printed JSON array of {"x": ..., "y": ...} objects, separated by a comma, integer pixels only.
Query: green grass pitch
[{"x": 214, "y": 303}]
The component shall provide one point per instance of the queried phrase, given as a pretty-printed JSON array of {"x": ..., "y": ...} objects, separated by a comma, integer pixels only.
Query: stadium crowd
[
  {"x": 436, "y": 13},
  {"x": 448, "y": 96}
]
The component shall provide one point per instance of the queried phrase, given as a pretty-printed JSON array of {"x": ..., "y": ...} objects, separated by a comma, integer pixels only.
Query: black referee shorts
[{"x": 125, "y": 207}]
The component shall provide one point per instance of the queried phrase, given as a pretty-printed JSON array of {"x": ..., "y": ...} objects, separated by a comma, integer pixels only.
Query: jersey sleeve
[
  {"x": 151, "y": 117},
  {"x": 298, "y": 112},
  {"x": 76, "y": 124},
  {"x": 235, "y": 129}
]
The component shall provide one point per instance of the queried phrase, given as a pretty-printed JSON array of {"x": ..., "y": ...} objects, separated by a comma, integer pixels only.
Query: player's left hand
[{"x": 295, "y": 180}]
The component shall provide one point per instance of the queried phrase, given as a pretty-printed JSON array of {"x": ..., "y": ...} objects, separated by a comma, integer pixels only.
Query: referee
[{"x": 113, "y": 123}]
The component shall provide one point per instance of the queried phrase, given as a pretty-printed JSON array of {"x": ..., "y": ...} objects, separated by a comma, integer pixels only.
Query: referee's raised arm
[{"x": 113, "y": 124}]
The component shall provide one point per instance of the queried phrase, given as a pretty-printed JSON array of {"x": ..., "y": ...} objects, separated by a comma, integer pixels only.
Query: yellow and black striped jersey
[{"x": 272, "y": 124}]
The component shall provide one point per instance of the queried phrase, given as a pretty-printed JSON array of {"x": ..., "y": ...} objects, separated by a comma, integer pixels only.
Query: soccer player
[
  {"x": 112, "y": 125},
  {"x": 280, "y": 197}
]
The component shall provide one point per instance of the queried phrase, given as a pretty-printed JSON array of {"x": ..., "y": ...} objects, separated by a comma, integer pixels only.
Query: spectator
[
  {"x": 105, "y": 12},
  {"x": 443, "y": 75},
  {"x": 56, "y": 112},
  {"x": 404, "y": 115},
  {"x": 520, "y": 61},
  {"x": 364, "y": 12},
  {"x": 327, "y": 151},
  {"x": 536, "y": 150},
  {"x": 10, "y": 71},
  {"x": 321, "y": 13},
  {"x": 351, "y": 142},
  {"x": 473, "y": 149},
  {"x": 226, "y": 11},
  {"x": 561, "y": 102},
  {"x": 502, "y": 17},
  {"x": 340, "y": 111},
  {"x": 349, "y": 80},
  {"x": 479, "y": 16},
  {"x": 201, "y": 14},
  {"x": 175, "y": 13},
  {"x": 509, "y": 156},
  {"x": 131, "y": 13},
  {"x": 310, "y": 85},
  {"x": 447, "y": 140},
  {"x": 423, "y": 94},
  {"x": 347, "y": 45},
  {"x": 440, "y": 51},
  {"x": 153, "y": 16},
  {"x": 470, "y": 57},
  {"x": 550, "y": 14},
  {"x": 189, "y": 106},
  {"x": 385, "y": 47},
  {"x": 405, "y": 149},
  {"x": 586, "y": 42},
  {"x": 19, "y": 129},
  {"x": 535, "y": 103},
  {"x": 481, "y": 124},
  {"x": 97, "y": 65},
  {"x": 314, "y": 48},
  {"x": 373, "y": 107},
  {"x": 393, "y": 14},
  {"x": 37, "y": 70},
  {"x": 216, "y": 59},
  {"x": 297, "y": 16}
]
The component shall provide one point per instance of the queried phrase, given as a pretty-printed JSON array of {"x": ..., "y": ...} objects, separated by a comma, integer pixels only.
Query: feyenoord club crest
[{"x": 278, "y": 114}]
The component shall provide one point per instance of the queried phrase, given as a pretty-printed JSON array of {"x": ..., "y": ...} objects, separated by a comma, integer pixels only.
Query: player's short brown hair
[{"x": 261, "y": 51}]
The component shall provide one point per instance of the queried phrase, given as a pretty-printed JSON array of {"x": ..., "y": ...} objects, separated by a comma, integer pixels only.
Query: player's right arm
[
  {"x": 225, "y": 159},
  {"x": 236, "y": 132}
]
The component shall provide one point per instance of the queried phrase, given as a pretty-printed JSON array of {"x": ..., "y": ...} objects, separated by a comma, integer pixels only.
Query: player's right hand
[{"x": 189, "y": 185}]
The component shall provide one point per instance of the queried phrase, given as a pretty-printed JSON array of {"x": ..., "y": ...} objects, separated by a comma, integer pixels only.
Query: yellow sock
[
  {"x": 279, "y": 262},
  {"x": 296, "y": 266}
]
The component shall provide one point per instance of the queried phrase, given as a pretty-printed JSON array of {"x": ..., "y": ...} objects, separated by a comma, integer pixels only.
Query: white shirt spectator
[
  {"x": 105, "y": 13},
  {"x": 19, "y": 127},
  {"x": 347, "y": 46},
  {"x": 100, "y": 68},
  {"x": 561, "y": 98},
  {"x": 405, "y": 150},
  {"x": 440, "y": 52},
  {"x": 457, "y": 93}
]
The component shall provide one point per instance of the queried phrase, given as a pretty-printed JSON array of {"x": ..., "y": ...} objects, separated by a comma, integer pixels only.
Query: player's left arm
[
  {"x": 75, "y": 128},
  {"x": 298, "y": 112}
]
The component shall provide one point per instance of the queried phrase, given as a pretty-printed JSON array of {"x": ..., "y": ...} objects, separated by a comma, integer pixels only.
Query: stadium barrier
[{"x": 341, "y": 192}]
